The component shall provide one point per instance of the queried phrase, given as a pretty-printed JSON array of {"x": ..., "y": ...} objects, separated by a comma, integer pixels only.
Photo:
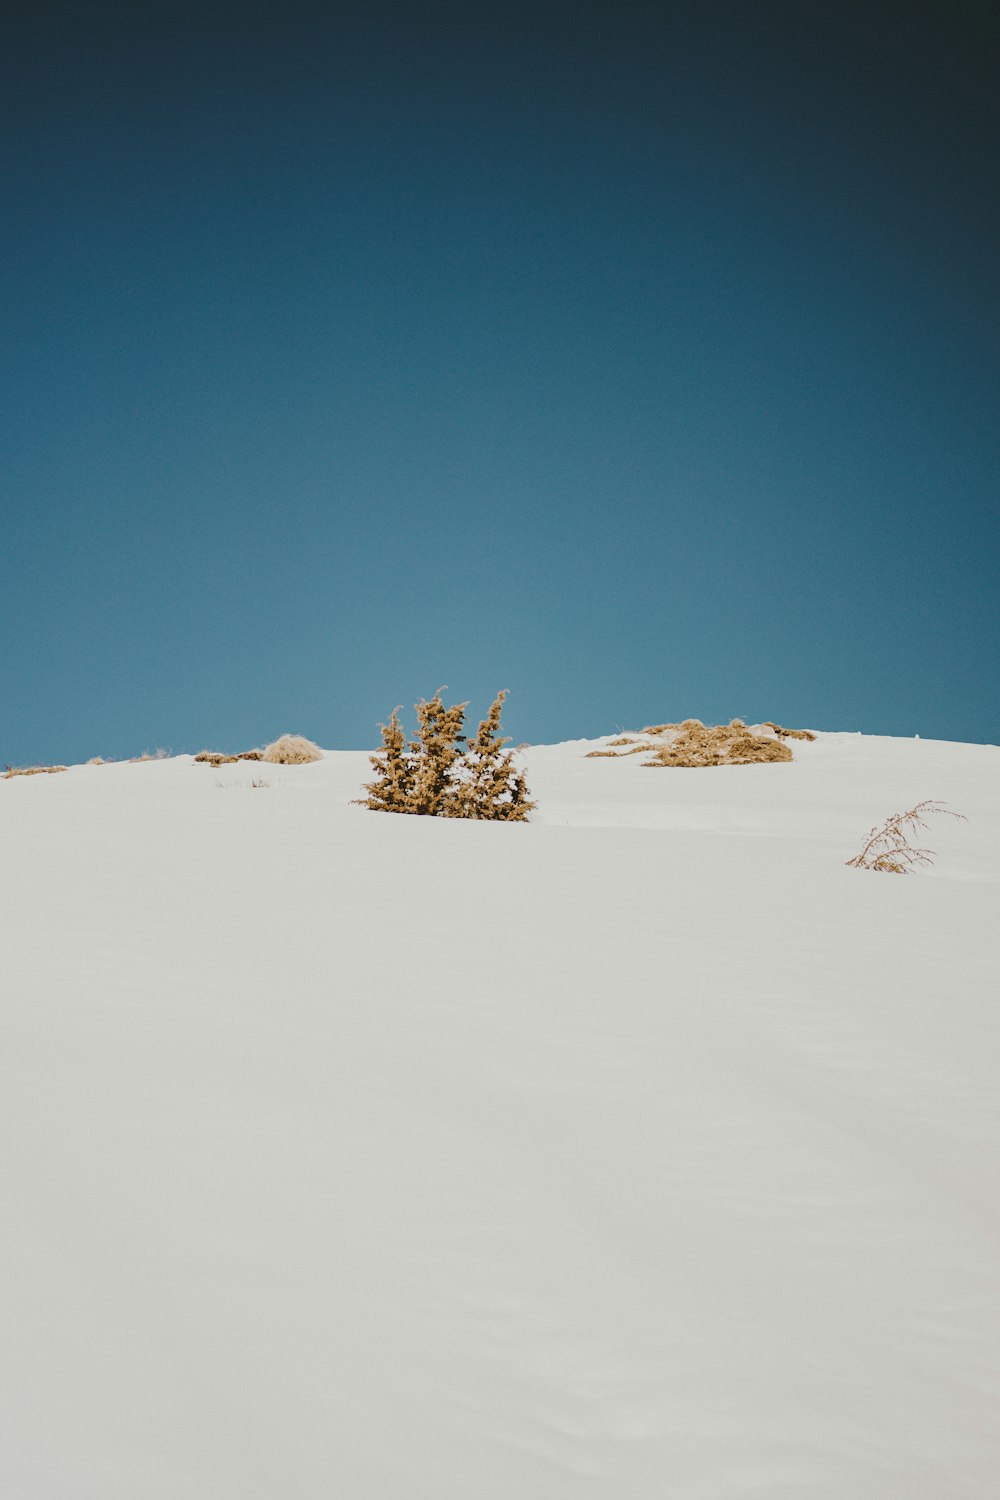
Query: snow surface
[{"x": 644, "y": 1151}]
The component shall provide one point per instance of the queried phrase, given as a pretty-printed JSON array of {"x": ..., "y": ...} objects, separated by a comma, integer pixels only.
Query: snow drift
[{"x": 643, "y": 1150}]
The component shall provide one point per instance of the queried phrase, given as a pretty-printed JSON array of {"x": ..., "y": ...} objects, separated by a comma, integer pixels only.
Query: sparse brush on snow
[
  {"x": 692, "y": 743},
  {"x": 730, "y": 744},
  {"x": 31, "y": 771},
  {"x": 219, "y": 758},
  {"x": 638, "y": 749},
  {"x": 432, "y": 776},
  {"x": 789, "y": 734},
  {"x": 889, "y": 850},
  {"x": 160, "y": 754},
  {"x": 291, "y": 750}
]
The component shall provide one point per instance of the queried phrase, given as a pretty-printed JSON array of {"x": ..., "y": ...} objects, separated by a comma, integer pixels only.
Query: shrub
[
  {"x": 490, "y": 785},
  {"x": 392, "y": 790},
  {"x": 431, "y": 776},
  {"x": 436, "y": 753},
  {"x": 291, "y": 750},
  {"x": 888, "y": 849}
]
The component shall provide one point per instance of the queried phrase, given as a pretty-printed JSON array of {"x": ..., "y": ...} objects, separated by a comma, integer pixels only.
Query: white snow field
[{"x": 641, "y": 1152}]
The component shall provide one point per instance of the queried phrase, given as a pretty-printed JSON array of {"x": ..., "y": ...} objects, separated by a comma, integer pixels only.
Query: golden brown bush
[
  {"x": 432, "y": 777},
  {"x": 486, "y": 783}
]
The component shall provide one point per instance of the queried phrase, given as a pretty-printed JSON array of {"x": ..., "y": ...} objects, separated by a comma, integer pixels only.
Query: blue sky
[{"x": 640, "y": 359}]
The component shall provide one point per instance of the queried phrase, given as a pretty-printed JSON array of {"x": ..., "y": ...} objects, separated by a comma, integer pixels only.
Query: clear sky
[{"x": 639, "y": 358}]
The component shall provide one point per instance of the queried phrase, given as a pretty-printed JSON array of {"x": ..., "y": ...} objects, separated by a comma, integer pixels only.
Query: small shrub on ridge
[{"x": 432, "y": 776}]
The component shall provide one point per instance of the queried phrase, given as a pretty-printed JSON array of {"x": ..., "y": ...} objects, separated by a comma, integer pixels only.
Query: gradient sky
[{"x": 642, "y": 359}]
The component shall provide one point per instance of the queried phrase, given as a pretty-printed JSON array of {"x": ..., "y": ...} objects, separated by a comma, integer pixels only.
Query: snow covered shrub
[
  {"x": 291, "y": 750},
  {"x": 436, "y": 751},
  {"x": 432, "y": 776},
  {"x": 392, "y": 789},
  {"x": 417, "y": 776},
  {"x": 888, "y": 849},
  {"x": 489, "y": 785}
]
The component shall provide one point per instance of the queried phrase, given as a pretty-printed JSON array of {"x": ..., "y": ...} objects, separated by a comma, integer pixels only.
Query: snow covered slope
[{"x": 643, "y": 1151}]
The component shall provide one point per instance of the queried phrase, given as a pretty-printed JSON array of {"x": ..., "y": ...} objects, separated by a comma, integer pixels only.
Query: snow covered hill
[{"x": 642, "y": 1151}]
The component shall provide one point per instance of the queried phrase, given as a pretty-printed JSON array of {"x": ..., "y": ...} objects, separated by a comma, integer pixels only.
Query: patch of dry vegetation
[
  {"x": 692, "y": 743},
  {"x": 636, "y": 748},
  {"x": 732, "y": 744},
  {"x": 138, "y": 760},
  {"x": 291, "y": 750},
  {"x": 888, "y": 849},
  {"x": 789, "y": 734},
  {"x": 32, "y": 771},
  {"x": 217, "y": 758}
]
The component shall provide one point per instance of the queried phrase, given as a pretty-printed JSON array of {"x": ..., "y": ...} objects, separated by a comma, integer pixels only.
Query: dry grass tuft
[
  {"x": 724, "y": 745},
  {"x": 789, "y": 734},
  {"x": 291, "y": 750},
  {"x": 31, "y": 771},
  {"x": 98, "y": 760},
  {"x": 138, "y": 760},
  {"x": 635, "y": 747},
  {"x": 669, "y": 728},
  {"x": 888, "y": 849}
]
